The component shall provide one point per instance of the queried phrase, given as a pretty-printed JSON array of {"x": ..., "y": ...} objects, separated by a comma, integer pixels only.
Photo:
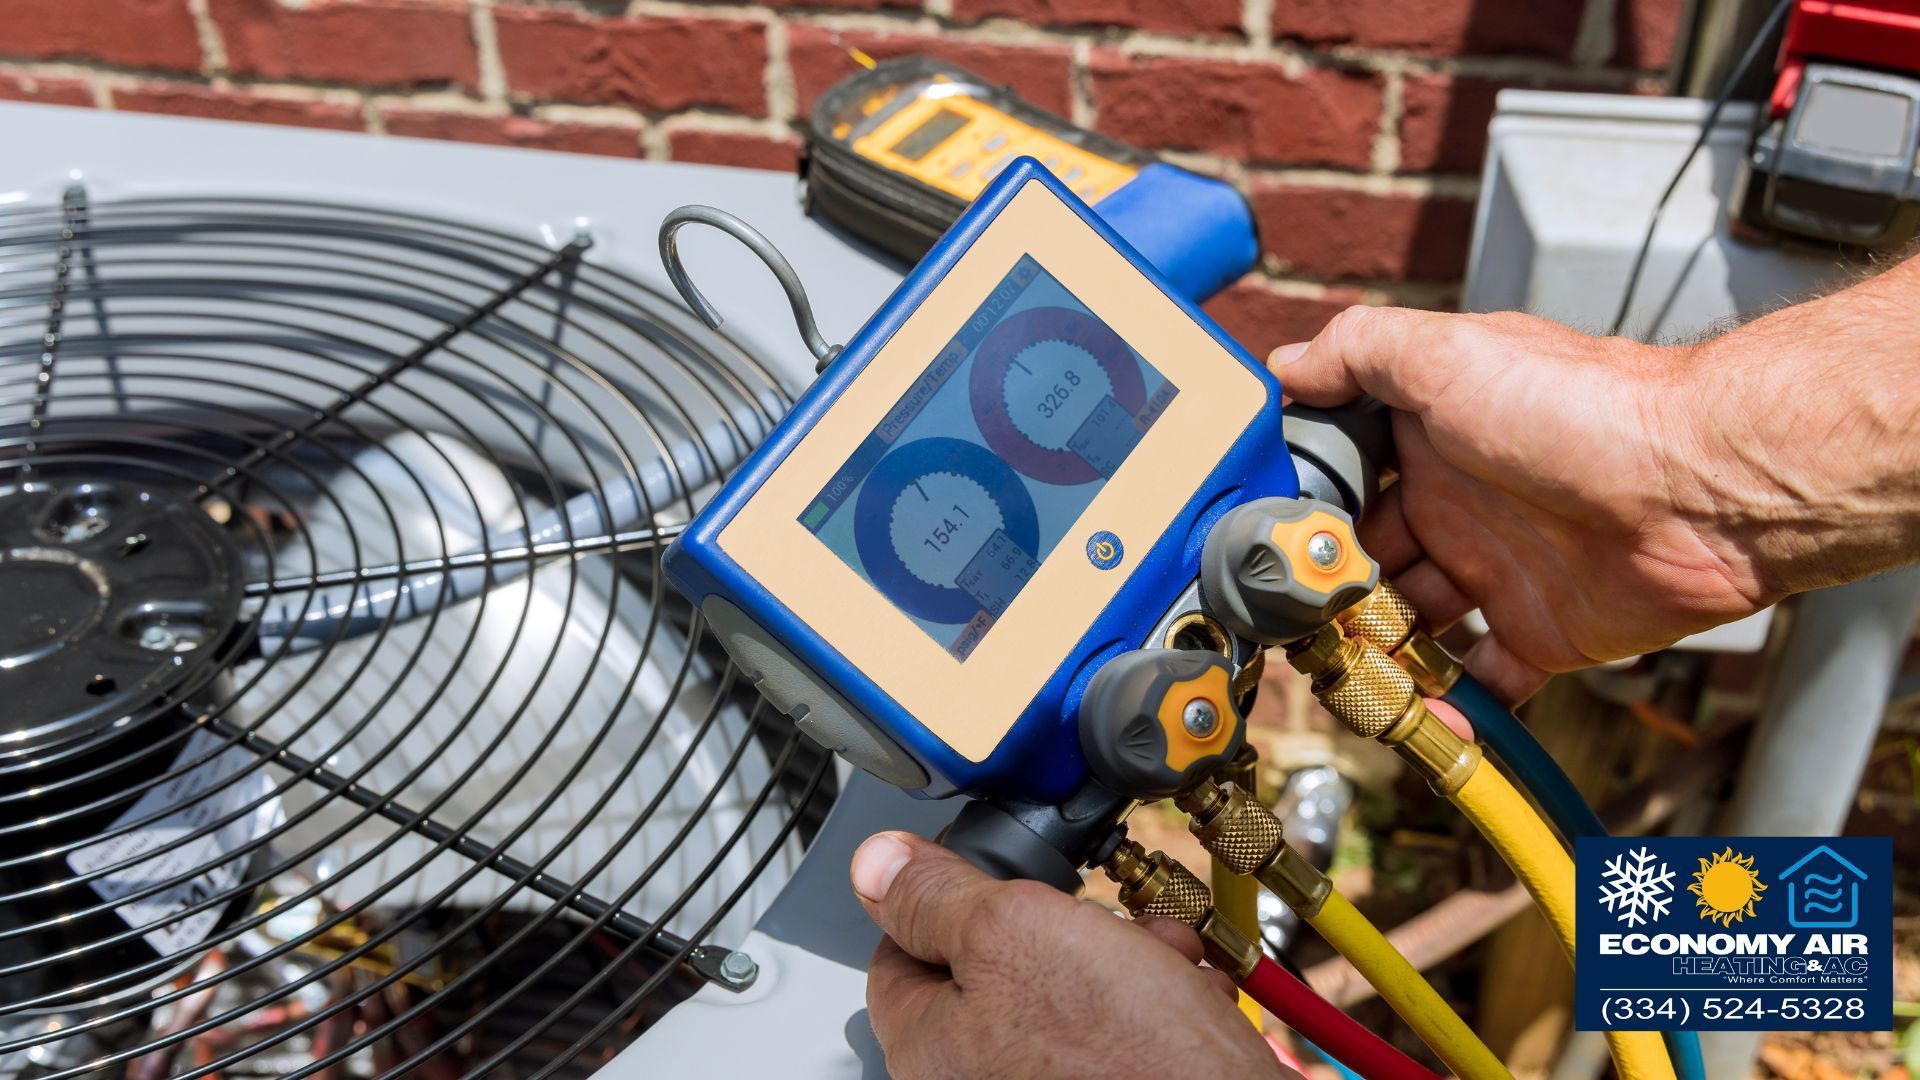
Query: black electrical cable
[{"x": 1720, "y": 100}]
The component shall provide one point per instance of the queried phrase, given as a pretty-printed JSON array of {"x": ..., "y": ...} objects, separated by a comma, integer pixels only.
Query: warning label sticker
[{"x": 194, "y": 870}]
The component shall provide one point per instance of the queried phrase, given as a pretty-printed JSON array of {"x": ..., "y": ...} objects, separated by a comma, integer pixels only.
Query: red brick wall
[{"x": 1356, "y": 126}]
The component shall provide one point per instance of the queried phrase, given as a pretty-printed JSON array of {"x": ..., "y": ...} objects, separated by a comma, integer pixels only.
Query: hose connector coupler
[
  {"x": 1389, "y": 621},
  {"x": 1248, "y": 838},
  {"x": 1158, "y": 884},
  {"x": 1365, "y": 690}
]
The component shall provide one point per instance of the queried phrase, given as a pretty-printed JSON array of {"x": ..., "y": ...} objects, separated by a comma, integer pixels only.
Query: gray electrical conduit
[
  {"x": 593, "y": 519},
  {"x": 1464, "y": 918}
]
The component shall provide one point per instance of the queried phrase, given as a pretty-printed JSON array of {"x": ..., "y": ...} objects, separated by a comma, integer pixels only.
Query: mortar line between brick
[
  {"x": 213, "y": 45},
  {"x": 486, "y": 45},
  {"x": 1080, "y": 86},
  {"x": 778, "y": 82},
  {"x": 1593, "y": 44},
  {"x": 1386, "y": 141},
  {"x": 1256, "y": 20},
  {"x": 1423, "y": 186},
  {"x": 276, "y": 91},
  {"x": 929, "y": 21}
]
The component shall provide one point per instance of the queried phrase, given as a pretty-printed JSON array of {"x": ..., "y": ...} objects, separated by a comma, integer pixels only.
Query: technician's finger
[
  {"x": 928, "y": 898},
  {"x": 918, "y": 1039},
  {"x": 1387, "y": 352},
  {"x": 1385, "y": 535},
  {"x": 1175, "y": 934},
  {"x": 1511, "y": 679},
  {"x": 900, "y": 990},
  {"x": 1451, "y": 717},
  {"x": 1439, "y": 600},
  {"x": 1222, "y": 982}
]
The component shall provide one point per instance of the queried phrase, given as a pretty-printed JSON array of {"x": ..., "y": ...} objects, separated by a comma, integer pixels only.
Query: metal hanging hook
[{"x": 782, "y": 270}]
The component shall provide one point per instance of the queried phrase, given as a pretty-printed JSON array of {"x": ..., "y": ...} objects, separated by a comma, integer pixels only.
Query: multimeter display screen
[
  {"x": 938, "y": 128},
  {"x": 984, "y": 464}
]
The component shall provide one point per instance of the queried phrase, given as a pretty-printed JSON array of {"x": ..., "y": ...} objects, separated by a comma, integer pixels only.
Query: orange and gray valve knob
[
  {"x": 1155, "y": 722},
  {"x": 1275, "y": 570}
]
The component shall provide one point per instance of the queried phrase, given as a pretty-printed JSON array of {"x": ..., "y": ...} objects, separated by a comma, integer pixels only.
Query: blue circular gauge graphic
[
  {"x": 1038, "y": 376},
  {"x": 924, "y": 513}
]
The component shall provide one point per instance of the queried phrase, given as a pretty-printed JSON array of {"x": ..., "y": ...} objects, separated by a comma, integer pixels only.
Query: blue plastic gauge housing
[{"x": 1002, "y": 482}]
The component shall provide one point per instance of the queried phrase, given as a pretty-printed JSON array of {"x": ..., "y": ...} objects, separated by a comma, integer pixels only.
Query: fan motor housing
[{"x": 124, "y": 594}]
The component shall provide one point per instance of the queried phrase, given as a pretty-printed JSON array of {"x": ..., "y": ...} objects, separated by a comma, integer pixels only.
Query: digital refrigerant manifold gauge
[{"x": 1003, "y": 481}]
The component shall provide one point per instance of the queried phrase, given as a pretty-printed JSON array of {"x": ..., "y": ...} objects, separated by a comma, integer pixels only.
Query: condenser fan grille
[{"x": 350, "y": 724}]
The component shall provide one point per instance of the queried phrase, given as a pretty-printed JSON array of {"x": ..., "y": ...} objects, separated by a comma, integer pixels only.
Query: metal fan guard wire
[{"x": 315, "y": 377}]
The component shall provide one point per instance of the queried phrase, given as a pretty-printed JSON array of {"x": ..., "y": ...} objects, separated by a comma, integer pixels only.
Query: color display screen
[{"x": 986, "y": 462}]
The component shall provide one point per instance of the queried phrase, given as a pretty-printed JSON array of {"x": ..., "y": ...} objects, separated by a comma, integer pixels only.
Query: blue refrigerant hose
[
  {"x": 1340, "y": 1070},
  {"x": 1508, "y": 739}
]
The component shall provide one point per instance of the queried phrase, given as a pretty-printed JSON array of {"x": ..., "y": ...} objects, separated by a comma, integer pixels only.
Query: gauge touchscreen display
[{"x": 982, "y": 467}]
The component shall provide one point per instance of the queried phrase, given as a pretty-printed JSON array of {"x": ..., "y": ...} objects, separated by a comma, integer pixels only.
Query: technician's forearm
[{"x": 1802, "y": 435}]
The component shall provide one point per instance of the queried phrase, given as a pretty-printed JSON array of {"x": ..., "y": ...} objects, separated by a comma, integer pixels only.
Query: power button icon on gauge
[{"x": 1104, "y": 550}]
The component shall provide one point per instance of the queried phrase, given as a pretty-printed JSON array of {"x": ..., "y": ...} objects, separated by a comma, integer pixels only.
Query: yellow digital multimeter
[
  {"x": 896, "y": 153},
  {"x": 946, "y": 136}
]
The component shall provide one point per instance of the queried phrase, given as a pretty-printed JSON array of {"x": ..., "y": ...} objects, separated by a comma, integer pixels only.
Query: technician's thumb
[
  {"x": 1362, "y": 350},
  {"x": 921, "y": 894}
]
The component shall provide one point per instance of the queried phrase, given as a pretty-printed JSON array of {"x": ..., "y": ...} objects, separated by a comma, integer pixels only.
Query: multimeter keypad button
[
  {"x": 1073, "y": 174},
  {"x": 960, "y": 170},
  {"x": 1088, "y": 192},
  {"x": 994, "y": 142},
  {"x": 994, "y": 169},
  {"x": 1052, "y": 162}
]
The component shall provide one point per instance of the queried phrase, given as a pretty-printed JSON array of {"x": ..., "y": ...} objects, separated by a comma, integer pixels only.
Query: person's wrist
[{"x": 1695, "y": 409}]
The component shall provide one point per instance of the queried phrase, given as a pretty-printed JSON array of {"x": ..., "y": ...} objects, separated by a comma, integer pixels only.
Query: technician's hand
[
  {"x": 1010, "y": 980},
  {"x": 1538, "y": 484}
]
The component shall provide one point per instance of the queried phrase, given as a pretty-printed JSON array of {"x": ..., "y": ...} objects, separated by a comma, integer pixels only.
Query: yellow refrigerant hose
[
  {"x": 1368, "y": 692},
  {"x": 1237, "y": 898},
  {"x": 1246, "y": 838},
  {"x": 1405, "y": 989},
  {"x": 1525, "y": 843}
]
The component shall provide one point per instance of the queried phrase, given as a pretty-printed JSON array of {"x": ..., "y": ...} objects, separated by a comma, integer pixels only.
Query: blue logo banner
[{"x": 1755, "y": 933}]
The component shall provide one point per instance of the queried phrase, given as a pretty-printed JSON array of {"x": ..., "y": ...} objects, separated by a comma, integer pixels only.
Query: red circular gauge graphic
[{"x": 995, "y": 362}]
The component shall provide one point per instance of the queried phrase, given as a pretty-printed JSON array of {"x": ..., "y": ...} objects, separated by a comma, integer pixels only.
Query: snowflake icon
[{"x": 1636, "y": 888}]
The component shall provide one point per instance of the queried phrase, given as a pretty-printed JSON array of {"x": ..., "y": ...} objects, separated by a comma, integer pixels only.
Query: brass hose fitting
[
  {"x": 1158, "y": 884},
  {"x": 1248, "y": 838},
  {"x": 1359, "y": 684},
  {"x": 1228, "y": 948},
  {"x": 1364, "y": 689},
  {"x": 1390, "y": 622}
]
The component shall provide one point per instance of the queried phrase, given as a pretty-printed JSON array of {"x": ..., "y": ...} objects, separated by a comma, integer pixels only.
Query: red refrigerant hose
[{"x": 1326, "y": 1027}]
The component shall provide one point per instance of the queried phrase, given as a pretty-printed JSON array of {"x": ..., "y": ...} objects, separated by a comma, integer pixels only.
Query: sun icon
[{"x": 1727, "y": 887}]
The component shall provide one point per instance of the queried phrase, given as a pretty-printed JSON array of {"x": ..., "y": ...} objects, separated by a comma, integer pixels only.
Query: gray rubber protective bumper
[
  {"x": 820, "y": 713},
  {"x": 1248, "y": 581},
  {"x": 998, "y": 843},
  {"x": 1339, "y": 452}
]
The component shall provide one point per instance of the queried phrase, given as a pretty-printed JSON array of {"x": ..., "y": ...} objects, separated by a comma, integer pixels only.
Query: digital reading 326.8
[{"x": 966, "y": 485}]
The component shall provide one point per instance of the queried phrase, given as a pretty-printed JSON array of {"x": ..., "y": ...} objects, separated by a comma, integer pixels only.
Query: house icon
[{"x": 1823, "y": 891}]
